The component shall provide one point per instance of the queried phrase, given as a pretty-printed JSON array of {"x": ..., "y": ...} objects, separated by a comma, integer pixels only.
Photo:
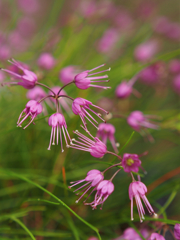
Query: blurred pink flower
[
  {"x": 5, "y": 52},
  {"x": 26, "y": 26},
  {"x": 174, "y": 66},
  {"x": 67, "y": 74},
  {"x": 176, "y": 84},
  {"x": 37, "y": 93},
  {"x": 29, "y": 6},
  {"x": 46, "y": 61},
  {"x": 105, "y": 131},
  {"x": 156, "y": 236},
  {"x": 108, "y": 40},
  {"x": 146, "y": 51},
  {"x": 177, "y": 231}
]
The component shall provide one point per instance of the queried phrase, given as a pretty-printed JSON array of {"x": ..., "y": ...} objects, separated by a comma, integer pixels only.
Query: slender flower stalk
[{"x": 84, "y": 80}]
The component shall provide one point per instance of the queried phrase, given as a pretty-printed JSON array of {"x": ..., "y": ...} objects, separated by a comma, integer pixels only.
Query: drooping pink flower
[
  {"x": 138, "y": 121},
  {"x": 67, "y": 74},
  {"x": 177, "y": 231},
  {"x": 28, "y": 79},
  {"x": 80, "y": 107},
  {"x": 138, "y": 190},
  {"x": 105, "y": 131},
  {"x": 124, "y": 89},
  {"x": 176, "y": 84},
  {"x": 83, "y": 80},
  {"x": 46, "y": 61},
  {"x": 108, "y": 40},
  {"x": 32, "y": 109},
  {"x": 174, "y": 66},
  {"x": 146, "y": 51},
  {"x": 96, "y": 148},
  {"x": 36, "y": 93},
  {"x": 131, "y": 162},
  {"x": 58, "y": 123},
  {"x": 156, "y": 236},
  {"x": 104, "y": 189},
  {"x": 93, "y": 178}
]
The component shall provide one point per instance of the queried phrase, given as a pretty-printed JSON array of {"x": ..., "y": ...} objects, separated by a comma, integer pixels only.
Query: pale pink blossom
[
  {"x": 156, "y": 236},
  {"x": 177, "y": 231},
  {"x": 67, "y": 74},
  {"x": 46, "y": 61}
]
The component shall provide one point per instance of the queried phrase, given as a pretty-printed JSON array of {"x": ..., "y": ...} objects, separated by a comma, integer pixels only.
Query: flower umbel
[
  {"x": 80, "y": 106},
  {"x": 93, "y": 178},
  {"x": 57, "y": 121},
  {"x": 138, "y": 190},
  {"x": 32, "y": 109},
  {"x": 84, "y": 80},
  {"x": 28, "y": 79}
]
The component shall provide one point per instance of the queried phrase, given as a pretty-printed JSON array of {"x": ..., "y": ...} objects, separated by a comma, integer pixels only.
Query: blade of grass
[{"x": 23, "y": 226}]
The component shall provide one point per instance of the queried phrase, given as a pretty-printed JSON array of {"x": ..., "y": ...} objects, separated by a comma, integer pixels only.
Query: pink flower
[
  {"x": 131, "y": 162},
  {"x": 162, "y": 25},
  {"x": 174, "y": 66},
  {"x": 124, "y": 89},
  {"x": 67, "y": 74},
  {"x": 28, "y": 6},
  {"x": 96, "y": 148},
  {"x": 123, "y": 20},
  {"x": 32, "y": 109},
  {"x": 46, "y": 61},
  {"x": 176, "y": 84},
  {"x": 105, "y": 131},
  {"x": 83, "y": 80},
  {"x": 138, "y": 190},
  {"x": 138, "y": 121},
  {"x": 151, "y": 74},
  {"x": 57, "y": 122},
  {"x": 28, "y": 79},
  {"x": 37, "y": 93},
  {"x": 129, "y": 234},
  {"x": 92, "y": 238},
  {"x": 104, "y": 189},
  {"x": 177, "y": 231},
  {"x": 108, "y": 40},
  {"x": 146, "y": 51},
  {"x": 93, "y": 178},
  {"x": 26, "y": 26},
  {"x": 88, "y": 8},
  {"x": 156, "y": 236},
  {"x": 80, "y": 107}
]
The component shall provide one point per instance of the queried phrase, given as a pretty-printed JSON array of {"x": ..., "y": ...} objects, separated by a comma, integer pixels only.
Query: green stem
[{"x": 23, "y": 226}]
